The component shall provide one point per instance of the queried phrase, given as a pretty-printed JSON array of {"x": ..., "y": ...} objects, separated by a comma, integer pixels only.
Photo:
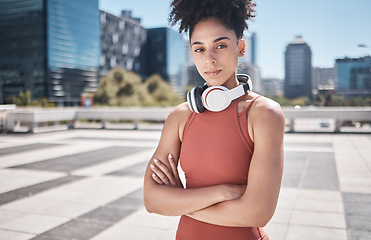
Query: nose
[{"x": 210, "y": 58}]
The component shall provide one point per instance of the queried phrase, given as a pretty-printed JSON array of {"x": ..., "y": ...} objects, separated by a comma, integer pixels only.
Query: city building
[
  {"x": 166, "y": 55},
  {"x": 50, "y": 47},
  {"x": 323, "y": 78},
  {"x": 248, "y": 63},
  {"x": 250, "y": 48},
  {"x": 298, "y": 69},
  {"x": 353, "y": 76},
  {"x": 253, "y": 71},
  {"x": 122, "y": 43},
  {"x": 272, "y": 87}
]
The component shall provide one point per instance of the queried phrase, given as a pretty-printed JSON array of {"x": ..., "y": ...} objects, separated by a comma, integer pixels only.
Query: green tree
[
  {"x": 338, "y": 100},
  {"x": 123, "y": 88},
  {"x": 23, "y": 98},
  {"x": 119, "y": 88},
  {"x": 290, "y": 102},
  {"x": 161, "y": 92}
]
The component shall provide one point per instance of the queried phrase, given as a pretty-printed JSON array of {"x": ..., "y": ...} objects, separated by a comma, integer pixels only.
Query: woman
[{"x": 232, "y": 157}]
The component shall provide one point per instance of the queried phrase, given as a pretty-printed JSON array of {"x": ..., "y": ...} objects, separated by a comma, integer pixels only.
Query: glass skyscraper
[
  {"x": 353, "y": 76},
  {"x": 50, "y": 47},
  {"x": 166, "y": 55}
]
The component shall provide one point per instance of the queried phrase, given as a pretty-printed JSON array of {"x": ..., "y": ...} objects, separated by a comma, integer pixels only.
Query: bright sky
[{"x": 332, "y": 28}]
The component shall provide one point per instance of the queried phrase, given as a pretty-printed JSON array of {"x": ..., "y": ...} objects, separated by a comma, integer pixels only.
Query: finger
[
  {"x": 174, "y": 169},
  {"x": 159, "y": 174},
  {"x": 165, "y": 170},
  {"x": 157, "y": 179},
  {"x": 173, "y": 165}
]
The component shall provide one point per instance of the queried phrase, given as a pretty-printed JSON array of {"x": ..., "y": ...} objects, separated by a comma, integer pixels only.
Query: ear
[{"x": 241, "y": 48}]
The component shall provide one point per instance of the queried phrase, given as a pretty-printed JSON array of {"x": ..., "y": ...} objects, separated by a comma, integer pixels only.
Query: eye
[
  {"x": 198, "y": 50},
  {"x": 221, "y": 46}
]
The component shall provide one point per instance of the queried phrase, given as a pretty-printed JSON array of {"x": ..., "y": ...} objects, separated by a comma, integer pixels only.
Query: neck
[{"x": 232, "y": 82}]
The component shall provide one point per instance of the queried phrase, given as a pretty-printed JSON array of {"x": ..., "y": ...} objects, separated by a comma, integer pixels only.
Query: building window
[
  {"x": 113, "y": 61},
  {"x": 103, "y": 18},
  {"x": 121, "y": 25},
  {"x": 115, "y": 38},
  {"x": 125, "y": 48}
]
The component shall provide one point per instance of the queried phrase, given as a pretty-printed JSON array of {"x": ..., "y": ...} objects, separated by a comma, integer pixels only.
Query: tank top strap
[
  {"x": 188, "y": 122},
  {"x": 248, "y": 106},
  {"x": 241, "y": 121}
]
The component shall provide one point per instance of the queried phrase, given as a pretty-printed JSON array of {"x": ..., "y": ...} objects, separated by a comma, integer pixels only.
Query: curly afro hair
[{"x": 232, "y": 13}]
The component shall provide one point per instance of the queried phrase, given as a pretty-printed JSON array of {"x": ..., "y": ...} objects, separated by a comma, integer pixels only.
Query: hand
[{"x": 163, "y": 175}]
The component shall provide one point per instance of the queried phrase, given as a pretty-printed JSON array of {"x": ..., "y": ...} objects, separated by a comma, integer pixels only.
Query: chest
[{"x": 213, "y": 152}]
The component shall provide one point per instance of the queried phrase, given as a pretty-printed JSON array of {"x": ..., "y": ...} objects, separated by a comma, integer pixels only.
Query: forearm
[
  {"x": 174, "y": 201},
  {"x": 235, "y": 213}
]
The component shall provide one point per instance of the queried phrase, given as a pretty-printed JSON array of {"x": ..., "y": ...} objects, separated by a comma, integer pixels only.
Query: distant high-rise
[
  {"x": 247, "y": 63},
  {"x": 253, "y": 47},
  {"x": 166, "y": 55},
  {"x": 298, "y": 69},
  {"x": 122, "y": 43},
  {"x": 50, "y": 47},
  {"x": 353, "y": 76}
]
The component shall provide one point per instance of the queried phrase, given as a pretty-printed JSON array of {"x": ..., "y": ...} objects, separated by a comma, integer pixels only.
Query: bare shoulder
[
  {"x": 177, "y": 119},
  {"x": 267, "y": 111},
  {"x": 267, "y": 105},
  {"x": 180, "y": 113}
]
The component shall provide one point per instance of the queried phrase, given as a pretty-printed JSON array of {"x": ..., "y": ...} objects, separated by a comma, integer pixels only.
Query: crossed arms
[{"x": 250, "y": 205}]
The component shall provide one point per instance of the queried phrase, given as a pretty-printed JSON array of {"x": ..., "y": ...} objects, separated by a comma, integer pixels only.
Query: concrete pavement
[{"x": 87, "y": 184}]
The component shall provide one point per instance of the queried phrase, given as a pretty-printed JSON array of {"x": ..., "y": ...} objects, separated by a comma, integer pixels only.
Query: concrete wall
[{"x": 35, "y": 117}]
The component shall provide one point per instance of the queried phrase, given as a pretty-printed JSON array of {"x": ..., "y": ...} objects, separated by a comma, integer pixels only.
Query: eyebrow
[{"x": 216, "y": 40}]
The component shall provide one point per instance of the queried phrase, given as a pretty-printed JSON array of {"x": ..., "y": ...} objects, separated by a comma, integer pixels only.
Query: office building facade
[
  {"x": 50, "y": 47},
  {"x": 272, "y": 87},
  {"x": 298, "y": 69},
  {"x": 353, "y": 76},
  {"x": 323, "y": 78},
  {"x": 122, "y": 43},
  {"x": 166, "y": 55}
]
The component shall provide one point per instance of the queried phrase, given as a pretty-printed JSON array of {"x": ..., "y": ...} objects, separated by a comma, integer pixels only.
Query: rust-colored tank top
[{"x": 216, "y": 149}]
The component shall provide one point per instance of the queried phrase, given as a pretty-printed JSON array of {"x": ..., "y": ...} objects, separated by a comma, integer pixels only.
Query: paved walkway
[{"x": 87, "y": 184}]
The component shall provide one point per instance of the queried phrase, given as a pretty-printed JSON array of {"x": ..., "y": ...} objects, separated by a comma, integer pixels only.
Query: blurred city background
[
  {"x": 123, "y": 53},
  {"x": 108, "y": 73}
]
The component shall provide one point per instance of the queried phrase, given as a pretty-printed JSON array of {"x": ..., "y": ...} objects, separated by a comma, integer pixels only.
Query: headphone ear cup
[
  {"x": 216, "y": 98},
  {"x": 194, "y": 99},
  {"x": 189, "y": 100}
]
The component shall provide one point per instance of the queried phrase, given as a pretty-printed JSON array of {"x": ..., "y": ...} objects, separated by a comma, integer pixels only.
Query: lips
[{"x": 213, "y": 73}]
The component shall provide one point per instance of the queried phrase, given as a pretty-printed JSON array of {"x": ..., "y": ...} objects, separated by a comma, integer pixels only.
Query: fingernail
[
  {"x": 155, "y": 160},
  {"x": 170, "y": 156},
  {"x": 153, "y": 175},
  {"x": 152, "y": 166}
]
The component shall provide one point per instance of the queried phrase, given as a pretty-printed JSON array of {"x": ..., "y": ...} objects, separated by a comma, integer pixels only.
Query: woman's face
[{"x": 215, "y": 51}]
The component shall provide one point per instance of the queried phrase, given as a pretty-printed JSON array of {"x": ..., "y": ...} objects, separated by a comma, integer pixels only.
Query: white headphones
[{"x": 217, "y": 98}]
